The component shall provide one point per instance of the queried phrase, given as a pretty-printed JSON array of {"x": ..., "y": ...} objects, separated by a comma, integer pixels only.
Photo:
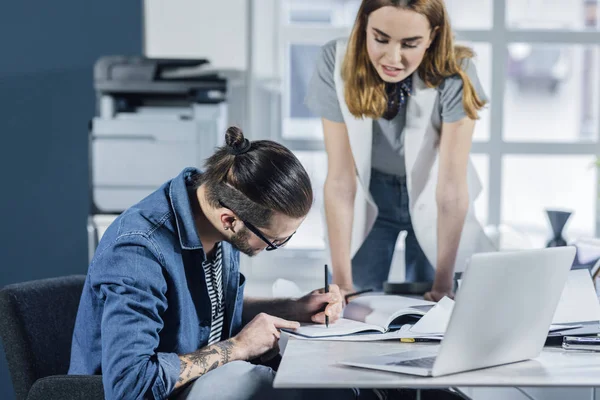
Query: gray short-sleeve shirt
[{"x": 388, "y": 148}]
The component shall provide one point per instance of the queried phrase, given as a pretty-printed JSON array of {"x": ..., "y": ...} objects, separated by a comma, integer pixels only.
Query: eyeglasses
[{"x": 271, "y": 245}]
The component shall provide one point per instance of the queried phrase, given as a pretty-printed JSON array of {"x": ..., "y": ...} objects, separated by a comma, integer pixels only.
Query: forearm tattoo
[
  {"x": 183, "y": 367},
  {"x": 202, "y": 357},
  {"x": 200, "y": 362},
  {"x": 226, "y": 348}
]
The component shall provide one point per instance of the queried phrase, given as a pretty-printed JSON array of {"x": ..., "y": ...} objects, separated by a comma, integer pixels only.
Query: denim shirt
[{"x": 145, "y": 299}]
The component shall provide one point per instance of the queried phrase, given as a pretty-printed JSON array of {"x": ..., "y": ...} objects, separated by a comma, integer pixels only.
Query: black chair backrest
[{"x": 36, "y": 325}]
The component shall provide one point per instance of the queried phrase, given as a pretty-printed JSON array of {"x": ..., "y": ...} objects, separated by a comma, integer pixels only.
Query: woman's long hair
[{"x": 365, "y": 90}]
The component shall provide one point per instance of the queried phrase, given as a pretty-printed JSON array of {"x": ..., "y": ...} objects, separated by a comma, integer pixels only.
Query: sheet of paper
[
  {"x": 396, "y": 335},
  {"x": 283, "y": 341},
  {"x": 554, "y": 328},
  {"x": 378, "y": 309},
  {"x": 578, "y": 302},
  {"x": 588, "y": 250},
  {"x": 436, "y": 320},
  {"x": 340, "y": 327}
]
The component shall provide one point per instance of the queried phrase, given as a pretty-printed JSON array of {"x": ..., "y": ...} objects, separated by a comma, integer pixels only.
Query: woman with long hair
[{"x": 399, "y": 100}]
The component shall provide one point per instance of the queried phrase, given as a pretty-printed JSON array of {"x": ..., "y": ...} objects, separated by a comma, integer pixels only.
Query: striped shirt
[{"x": 213, "y": 271}]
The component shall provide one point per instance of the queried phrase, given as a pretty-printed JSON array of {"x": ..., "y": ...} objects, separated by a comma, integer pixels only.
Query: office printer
[{"x": 153, "y": 118}]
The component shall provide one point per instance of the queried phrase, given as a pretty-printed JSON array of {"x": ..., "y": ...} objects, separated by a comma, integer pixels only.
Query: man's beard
[{"x": 239, "y": 240}]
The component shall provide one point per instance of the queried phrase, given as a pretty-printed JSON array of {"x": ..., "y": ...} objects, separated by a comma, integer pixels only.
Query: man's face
[
  {"x": 281, "y": 228},
  {"x": 240, "y": 241}
]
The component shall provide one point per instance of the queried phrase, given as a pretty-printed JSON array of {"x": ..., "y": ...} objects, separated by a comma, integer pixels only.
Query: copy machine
[{"x": 154, "y": 117}]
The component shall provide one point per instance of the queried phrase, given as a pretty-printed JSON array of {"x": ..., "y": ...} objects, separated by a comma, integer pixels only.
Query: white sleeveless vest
[{"x": 421, "y": 140}]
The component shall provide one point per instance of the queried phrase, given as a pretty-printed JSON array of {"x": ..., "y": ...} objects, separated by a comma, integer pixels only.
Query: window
[
  {"x": 479, "y": 15},
  {"x": 320, "y": 12},
  {"x": 311, "y": 234},
  {"x": 534, "y": 146},
  {"x": 299, "y": 122},
  {"x": 548, "y": 95},
  {"x": 550, "y": 182},
  {"x": 552, "y": 14}
]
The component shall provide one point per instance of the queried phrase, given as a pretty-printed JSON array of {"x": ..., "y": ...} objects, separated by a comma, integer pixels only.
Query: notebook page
[
  {"x": 382, "y": 310},
  {"x": 338, "y": 328},
  {"x": 371, "y": 337}
]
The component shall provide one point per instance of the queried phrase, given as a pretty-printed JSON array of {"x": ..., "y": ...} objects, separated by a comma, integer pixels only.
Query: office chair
[{"x": 36, "y": 326}]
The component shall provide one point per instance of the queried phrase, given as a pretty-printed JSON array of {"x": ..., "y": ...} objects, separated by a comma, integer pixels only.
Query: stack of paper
[{"x": 579, "y": 302}]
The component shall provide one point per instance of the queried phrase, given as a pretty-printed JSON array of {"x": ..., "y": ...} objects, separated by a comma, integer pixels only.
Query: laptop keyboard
[{"x": 426, "y": 362}]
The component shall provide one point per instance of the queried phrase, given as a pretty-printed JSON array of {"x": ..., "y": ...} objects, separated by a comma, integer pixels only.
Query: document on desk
[
  {"x": 383, "y": 311},
  {"x": 340, "y": 327},
  {"x": 368, "y": 337},
  {"x": 579, "y": 302},
  {"x": 375, "y": 315},
  {"x": 436, "y": 320}
]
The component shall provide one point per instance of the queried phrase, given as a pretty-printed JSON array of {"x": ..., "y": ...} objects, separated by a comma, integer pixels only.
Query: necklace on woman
[{"x": 397, "y": 95}]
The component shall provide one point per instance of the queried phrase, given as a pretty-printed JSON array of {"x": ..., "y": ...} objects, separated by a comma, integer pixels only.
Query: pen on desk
[
  {"x": 326, "y": 291},
  {"x": 417, "y": 340},
  {"x": 356, "y": 293}
]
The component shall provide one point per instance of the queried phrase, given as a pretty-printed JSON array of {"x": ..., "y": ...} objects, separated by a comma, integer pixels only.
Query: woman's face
[{"x": 396, "y": 41}]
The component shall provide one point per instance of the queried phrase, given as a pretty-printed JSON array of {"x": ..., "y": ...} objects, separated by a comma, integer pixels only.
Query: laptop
[{"x": 503, "y": 311}]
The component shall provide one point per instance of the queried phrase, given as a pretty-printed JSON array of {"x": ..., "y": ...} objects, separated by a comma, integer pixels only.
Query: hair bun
[
  {"x": 235, "y": 141},
  {"x": 234, "y": 137}
]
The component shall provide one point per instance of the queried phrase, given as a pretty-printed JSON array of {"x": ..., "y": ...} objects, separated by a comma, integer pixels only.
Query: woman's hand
[{"x": 439, "y": 291}]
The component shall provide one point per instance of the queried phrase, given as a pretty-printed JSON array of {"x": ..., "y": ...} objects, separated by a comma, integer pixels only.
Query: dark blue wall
[{"x": 47, "y": 52}]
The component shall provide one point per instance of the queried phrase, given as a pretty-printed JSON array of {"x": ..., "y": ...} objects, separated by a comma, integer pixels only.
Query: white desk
[{"x": 312, "y": 364}]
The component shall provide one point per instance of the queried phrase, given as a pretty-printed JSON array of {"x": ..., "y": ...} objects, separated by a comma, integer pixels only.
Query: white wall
[{"x": 213, "y": 29}]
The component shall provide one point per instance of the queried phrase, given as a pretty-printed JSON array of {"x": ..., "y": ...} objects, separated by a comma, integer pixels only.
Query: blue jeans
[
  {"x": 371, "y": 264},
  {"x": 241, "y": 380}
]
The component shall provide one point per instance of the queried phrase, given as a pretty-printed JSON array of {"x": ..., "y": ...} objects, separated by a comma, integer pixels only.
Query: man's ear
[{"x": 228, "y": 220}]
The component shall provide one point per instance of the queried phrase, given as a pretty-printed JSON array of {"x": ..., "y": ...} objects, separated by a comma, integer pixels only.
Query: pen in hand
[{"x": 326, "y": 291}]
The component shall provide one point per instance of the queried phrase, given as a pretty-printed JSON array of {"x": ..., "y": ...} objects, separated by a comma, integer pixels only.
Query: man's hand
[
  {"x": 438, "y": 291},
  {"x": 314, "y": 306},
  {"x": 260, "y": 335}
]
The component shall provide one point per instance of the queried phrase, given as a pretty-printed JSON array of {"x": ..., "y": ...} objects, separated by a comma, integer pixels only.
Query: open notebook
[
  {"x": 431, "y": 326},
  {"x": 370, "y": 315}
]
